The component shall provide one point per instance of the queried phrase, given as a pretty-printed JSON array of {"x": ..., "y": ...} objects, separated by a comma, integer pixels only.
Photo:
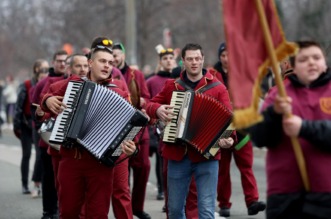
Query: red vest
[{"x": 27, "y": 102}]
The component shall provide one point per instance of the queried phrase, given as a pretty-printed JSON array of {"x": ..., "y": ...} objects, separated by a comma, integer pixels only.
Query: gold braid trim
[{"x": 249, "y": 116}]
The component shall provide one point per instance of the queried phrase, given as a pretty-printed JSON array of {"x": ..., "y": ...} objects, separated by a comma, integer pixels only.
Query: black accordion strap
[
  {"x": 209, "y": 86},
  {"x": 182, "y": 83},
  {"x": 205, "y": 88},
  {"x": 107, "y": 85}
]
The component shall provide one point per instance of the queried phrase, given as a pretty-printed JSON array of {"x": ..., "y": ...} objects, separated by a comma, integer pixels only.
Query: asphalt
[{"x": 14, "y": 205}]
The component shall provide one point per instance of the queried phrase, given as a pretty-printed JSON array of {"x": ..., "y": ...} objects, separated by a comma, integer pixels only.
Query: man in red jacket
[
  {"x": 82, "y": 179},
  {"x": 243, "y": 157},
  {"x": 140, "y": 164},
  {"x": 48, "y": 190},
  {"x": 184, "y": 160}
]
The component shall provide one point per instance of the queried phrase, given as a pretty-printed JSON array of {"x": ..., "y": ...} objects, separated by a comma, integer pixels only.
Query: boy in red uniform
[
  {"x": 82, "y": 179},
  {"x": 309, "y": 101}
]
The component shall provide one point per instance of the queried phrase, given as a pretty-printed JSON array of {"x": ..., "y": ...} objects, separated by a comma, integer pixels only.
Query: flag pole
[{"x": 281, "y": 89}]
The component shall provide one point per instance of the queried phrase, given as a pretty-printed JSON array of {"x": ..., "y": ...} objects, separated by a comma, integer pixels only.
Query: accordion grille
[{"x": 106, "y": 116}]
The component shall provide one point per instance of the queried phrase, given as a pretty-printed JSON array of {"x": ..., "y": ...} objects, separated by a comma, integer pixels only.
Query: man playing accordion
[
  {"x": 83, "y": 180},
  {"x": 184, "y": 160}
]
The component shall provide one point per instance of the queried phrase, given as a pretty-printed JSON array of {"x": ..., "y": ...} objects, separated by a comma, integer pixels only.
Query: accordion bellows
[{"x": 200, "y": 121}]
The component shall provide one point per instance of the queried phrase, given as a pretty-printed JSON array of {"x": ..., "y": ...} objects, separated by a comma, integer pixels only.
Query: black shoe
[
  {"x": 164, "y": 209},
  {"x": 141, "y": 215},
  {"x": 25, "y": 190},
  {"x": 256, "y": 207},
  {"x": 50, "y": 216},
  {"x": 225, "y": 212},
  {"x": 160, "y": 196},
  {"x": 46, "y": 216},
  {"x": 55, "y": 216}
]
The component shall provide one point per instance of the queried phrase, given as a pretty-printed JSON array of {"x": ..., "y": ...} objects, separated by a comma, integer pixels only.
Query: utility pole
[{"x": 131, "y": 31}]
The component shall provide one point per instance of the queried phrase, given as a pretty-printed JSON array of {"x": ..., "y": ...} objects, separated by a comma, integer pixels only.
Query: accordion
[
  {"x": 199, "y": 121},
  {"x": 98, "y": 119}
]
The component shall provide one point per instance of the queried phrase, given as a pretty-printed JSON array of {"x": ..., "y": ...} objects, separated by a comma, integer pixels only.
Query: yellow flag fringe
[{"x": 243, "y": 118}]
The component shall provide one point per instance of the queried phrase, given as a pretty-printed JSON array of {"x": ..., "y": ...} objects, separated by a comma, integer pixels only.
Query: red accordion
[{"x": 200, "y": 121}]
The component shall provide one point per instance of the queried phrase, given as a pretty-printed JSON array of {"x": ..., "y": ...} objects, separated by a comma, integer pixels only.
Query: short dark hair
[
  {"x": 72, "y": 57},
  {"x": 59, "y": 53},
  {"x": 302, "y": 45},
  {"x": 191, "y": 46}
]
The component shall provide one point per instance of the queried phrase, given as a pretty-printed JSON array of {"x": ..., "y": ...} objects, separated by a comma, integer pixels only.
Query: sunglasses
[
  {"x": 166, "y": 51},
  {"x": 107, "y": 42},
  {"x": 43, "y": 70},
  {"x": 99, "y": 47}
]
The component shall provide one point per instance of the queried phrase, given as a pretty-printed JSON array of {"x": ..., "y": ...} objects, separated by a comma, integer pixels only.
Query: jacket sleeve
[
  {"x": 318, "y": 133},
  {"x": 55, "y": 89},
  {"x": 144, "y": 92},
  {"x": 163, "y": 97},
  {"x": 267, "y": 133},
  {"x": 19, "y": 107}
]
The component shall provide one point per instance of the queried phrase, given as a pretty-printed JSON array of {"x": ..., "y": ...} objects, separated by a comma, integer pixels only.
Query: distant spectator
[
  {"x": 23, "y": 126},
  {"x": 10, "y": 95},
  {"x": 286, "y": 68},
  {"x": 40, "y": 71},
  {"x": 147, "y": 70}
]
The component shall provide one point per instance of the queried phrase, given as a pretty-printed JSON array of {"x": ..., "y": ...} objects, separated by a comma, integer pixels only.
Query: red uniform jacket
[
  {"x": 37, "y": 94},
  {"x": 176, "y": 151},
  {"x": 137, "y": 86}
]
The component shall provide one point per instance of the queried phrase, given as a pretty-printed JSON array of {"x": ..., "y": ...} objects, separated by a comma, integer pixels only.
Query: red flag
[{"x": 248, "y": 57}]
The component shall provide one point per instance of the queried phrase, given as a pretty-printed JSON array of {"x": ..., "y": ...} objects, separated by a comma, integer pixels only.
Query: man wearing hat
[
  {"x": 121, "y": 197},
  {"x": 83, "y": 180},
  {"x": 242, "y": 154},
  {"x": 140, "y": 164}
]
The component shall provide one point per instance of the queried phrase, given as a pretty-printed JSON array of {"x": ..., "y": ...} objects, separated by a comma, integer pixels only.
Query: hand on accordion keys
[
  {"x": 165, "y": 113},
  {"x": 128, "y": 147},
  {"x": 226, "y": 142},
  {"x": 55, "y": 104}
]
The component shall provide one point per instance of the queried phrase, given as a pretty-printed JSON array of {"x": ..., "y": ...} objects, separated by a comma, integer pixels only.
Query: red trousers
[
  {"x": 83, "y": 181},
  {"x": 191, "y": 207},
  {"x": 56, "y": 157},
  {"x": 141, "y": 166},
  {"x": 244, "y": 161},
  {"x": 121, "y": 198}
]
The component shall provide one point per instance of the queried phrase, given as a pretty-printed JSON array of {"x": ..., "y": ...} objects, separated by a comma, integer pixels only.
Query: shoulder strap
[
  {"x": 27, "y": 84},
  {"x": 209, "y": 86},
  {"x": 205, "y": 88},
  {"x": 182, "y": 83}
]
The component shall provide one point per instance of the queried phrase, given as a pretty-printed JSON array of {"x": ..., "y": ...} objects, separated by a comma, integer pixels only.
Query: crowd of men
[{"x": 74, "y": 184}]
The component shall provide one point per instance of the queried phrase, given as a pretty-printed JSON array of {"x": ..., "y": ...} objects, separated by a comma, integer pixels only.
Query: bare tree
[{"x": 31, "y": 29}]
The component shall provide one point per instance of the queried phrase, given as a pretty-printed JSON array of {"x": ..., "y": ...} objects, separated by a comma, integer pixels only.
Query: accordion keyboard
[
  {"x": 171, "y": 128},
  {"x": 59, "y": 129}
]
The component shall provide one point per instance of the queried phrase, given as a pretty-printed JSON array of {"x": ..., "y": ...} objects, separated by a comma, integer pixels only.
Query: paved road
[{"x": 14, "y": 205}]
